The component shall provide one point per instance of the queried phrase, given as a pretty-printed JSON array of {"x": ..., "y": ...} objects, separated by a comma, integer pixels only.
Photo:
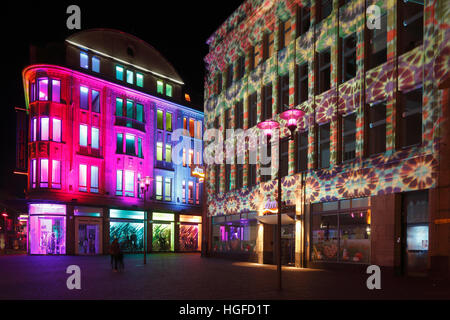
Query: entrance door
[
  {"x": 415, "y": 233},
  {"x": 88, "y": 239}
]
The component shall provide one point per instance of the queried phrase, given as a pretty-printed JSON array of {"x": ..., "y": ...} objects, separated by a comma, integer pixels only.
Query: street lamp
[
  {"x": 291, "y": 116},
  {"x": 144, "y": 184}
]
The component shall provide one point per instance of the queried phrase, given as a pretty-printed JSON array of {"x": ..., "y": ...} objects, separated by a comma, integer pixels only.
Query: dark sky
[{"x": 177, "y": 29}]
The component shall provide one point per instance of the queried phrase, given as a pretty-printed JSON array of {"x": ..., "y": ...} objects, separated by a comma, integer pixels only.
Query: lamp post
[
  {"x": 291, "y": 116},
  {"x": 144, "y": 184}
]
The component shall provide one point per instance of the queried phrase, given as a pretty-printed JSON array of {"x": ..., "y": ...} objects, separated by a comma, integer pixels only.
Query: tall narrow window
[
  {"x": 94, "y": 179},
  {"x": 265, "y": 170},
  {"x": 83, "y": 135},
  {"x": 56, "y": 174},
  {"x": 323, "y": 9},
  {"x": 139, "y": 112},
  {"x": 84, "y": 98},
  {"x": 82, "y": 181},
  {"x": 119, "y": 73},
  {"x": 302, "y": 151},
  {"x": 253, "y": 109},
  {"x": 95, "y": 144},
  {"x": 159, "y": 119},
  {"x": 130, "y": 76},
  {"x": 285, "y": 36},
  {"x": 324, "y": 69},
  {"x": 159, "y": 151},
  {"x": 217, "y": 178},
  {"x": 168, "y": 153},
  {"x": 130, "y": 109},
  {"x": 284, "y": 93},
  {"x": 191, "y": 157},
  {"x": 411, "y": 118},
  {"x": 239, "y": 115},
  {"x": 32, "y": 91},
  {"x": 168, "y": 121},
  {"x": 268, "y": 45},
  {"x": 95, "y": 101},
  {"x": 377, "y": 47},
  {"x": 130, "y": 144},
  {"x": 230, "y": 75},
  {"x": 257, "y": 55},
  {"x": 119, "y": 183},
  {"x": 95, "y": 64},
  {"x": 303, "y": 19},
  {"x": 240, "y": 67},
  {"x": 302, "y": 83},
  {"x": 219, "y": 84},
  {"x": 239, "y": 175},
  {"x": 267, "y": 102},
  {"x": 199, "y": 130},
  {"x": 184, "y": 157},
  {"x": 139, "y": 79},
  {"x": 192, "y": 127},
  {"x": 227, "y": 177},
  {"x": 349, "y": 137},
  {"x": 197, "y": 193},
  {"x": 119, "y": 107},
  {"x": 252, "y": 169},
  {"x": 324, "y": 146},
  {"x": 56, "y": 131},
  {"x": 191, "y": 192},
  {"x": 84, "y": 60},
  {"x": 140, "y": 154},
  {"x": 34, "y": 130},
  {"x": 33, "y": 173},
  {"x": 410, "y": 33},
  {"x": 348, "y": 57},
  {"x": 168, "y": 189},
  {"x": 377, "y": 128},
  {"x": 119, "y": 144},
  {"x": 159, "y": 87},
  {"x": 56, "y": 91},
  {"x": 44, "y": 129},
  {"x": 129, "y": 183},
  {"x": 183, "y": 192},
  {"x": 43, "y": 89},
  {"x": 169, "y": 90},
  {"x": 159, "y": 187}
]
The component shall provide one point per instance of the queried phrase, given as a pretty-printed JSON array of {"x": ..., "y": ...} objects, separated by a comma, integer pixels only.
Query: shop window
[
  {"x": 159, "y": 151},
  {"x": 139, "y": 79},
  {"x": 82, "y": 180},
  {"x": 84, "y": 60},
  {"x": 377, "y": 47},
  {"x": 139, "y": 112},
  {"x": 268, "y": 45},
  {"x": 191, "y": 192},
  {"x": 119, "y": 144},
  {"x": 84, "y": 98},
  {"x": 411, "y": 118},
  {"x": 83, "y": 135},
  {"x": 56, "y": 91},
  {"x": 377, "y": 128},
  {"x": 159, "y": 87},
  {"x": 285, "y": 34},
  {"x": 159, "y": 187},
  {"x": 325, "y": 237},
  {"x": 284, "y": 93},
  {"x": 227, "y": 177},
  {"x": 349, "y": 137},
  {"x": 95, "y": 138},
  {"x": 302, "y": 151},
  {"x": 324, "y": 71},
  {"x": 323, "y": 9},
  {"x": 253, "y": 109},
  {"x": 168, "y": 189},
  {"x": 129, "y": 234},
  {"x": 235, "y": 235},
  {"x": 163, "y": 236},
  {"x": 284, "y": 160},
  {"x": 159, "y": 119},
  {"x": 44, "y": 129},
  {"x": 95, "y": 64},
  {"x": 43, "y": 89},
  {"x": 56, "y": 174},
  {"x": 130, "y": 145},
  {"x": 168, "y": 121},
  {"x": 324, "y": 146},
  {"x": 183, "y": 192},
  {"x": 129, "y": 183},
  {"x": 267, "y": 102},
  {"x": 119, "y": 73},
  {"x": 169, "y": 90},
  {"x": 119, "y": 107},
  {"x": 47, "y": 233},
  {"x": 94, "y": 179},
  {"x": 217, "y": 178},
  {"x": 119, "y": 183},
  {"x": 130, "y": 76},
  {"x": 239, "y": 115},
  {"x": 303, "y": 19},
  {"x": 240, "y": 67},
  {"x": 410, "y": 33},
  {"x": 302, "y": 83},
  {"x": 95, "y": 101},
  {"x": 348, "y": 55}
]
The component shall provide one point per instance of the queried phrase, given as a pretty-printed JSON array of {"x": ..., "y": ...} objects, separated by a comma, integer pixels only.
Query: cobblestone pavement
[{"x": 189, "y": 276}]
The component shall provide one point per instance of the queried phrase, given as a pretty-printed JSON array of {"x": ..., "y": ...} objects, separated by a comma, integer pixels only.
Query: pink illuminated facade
[{"x": 98, "y": 125}]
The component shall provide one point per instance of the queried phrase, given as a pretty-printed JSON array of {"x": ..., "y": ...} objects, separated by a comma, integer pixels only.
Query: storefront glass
[
  {"x": 234, "y": 233},
  {"x": 341, "y": 231},
  {"x": 190, "y": 233},
  {"x": 128, "y": 228},
  {"x": 163, "y": 237},
  {"x": 88, "y": 239}
]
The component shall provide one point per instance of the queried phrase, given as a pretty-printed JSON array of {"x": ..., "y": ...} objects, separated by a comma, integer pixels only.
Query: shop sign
[
  {"x": 198, "y": 172},
  {"x": 271, "y": 206}
]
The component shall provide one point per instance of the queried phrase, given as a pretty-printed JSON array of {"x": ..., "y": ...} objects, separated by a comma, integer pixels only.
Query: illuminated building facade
[
  {"x": 98, "y": 125},
  {"x": 364, "y": 180}
]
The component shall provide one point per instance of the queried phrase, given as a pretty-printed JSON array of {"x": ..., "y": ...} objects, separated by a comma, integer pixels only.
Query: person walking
[{"x": 114, "y": 251}]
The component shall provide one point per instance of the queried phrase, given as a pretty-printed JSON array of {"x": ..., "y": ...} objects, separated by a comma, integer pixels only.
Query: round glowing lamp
[
  {"x": 292, "y": 116},
  {"x": 268, "y": 126}
]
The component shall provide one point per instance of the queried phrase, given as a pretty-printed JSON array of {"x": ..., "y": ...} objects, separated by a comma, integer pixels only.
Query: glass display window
[
  {"x": 190, "y": 238},
  {"x": 88, "y": 235},
  {"x": 130, "y": 235},
  {"x": 234, "y": 234},
  {"x": 47, "y": 235},
  {"x": 163, "y": 237}
]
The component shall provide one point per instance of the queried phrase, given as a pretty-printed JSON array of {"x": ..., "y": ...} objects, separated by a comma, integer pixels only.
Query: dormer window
[
  {"x": 139, "y": 79},
  {"x": 95, "y": 64},
  {"x": 84, "y": 60},
  {"x": 119, "y": 73},
  {"x": 130, "y": 76}
]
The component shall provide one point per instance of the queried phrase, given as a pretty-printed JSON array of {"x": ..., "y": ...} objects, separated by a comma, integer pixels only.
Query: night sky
[{"x": 177, "y": 29}]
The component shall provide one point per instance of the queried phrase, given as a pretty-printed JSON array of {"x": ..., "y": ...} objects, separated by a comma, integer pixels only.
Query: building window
[
  {"x": 302, "y": 151},
  {"x": 255, "y": 56},
  {"x": 43, "y": 89},
  {"x": 191, "y": 192},
  {"x": 324, "y": 70},
  {"x": 168, "y": 121},
  {"x": 84, "y": 60},
  {"x": 252, "y": 169},
  {"x": 95, "y": 101},
  {"x": 184, "y": 157},
  {"x": 284, "y": 160},
  {"x": 94, "y": 179},
  {"x": 168, "y": 189},
  {"x": 218, "y": 84},
  {"x": 119, "y": 73},
  {"x": 349, "y": 137},
  {"x": 217, "y": 178},
  {"x": 83, "y": 135},
  {"x": 56, "y": 91},
  {"x": 377, "y": 47},
  {"x": 139, "y": 79},
  {"x": 159, "y": 151},
  {"x": 267, "y": 166},
  {"x": 411, "y": 118},
  {"x": 191, "y": 127},
  {"x": 183, "y": 190},
  {"x": 168, "y": 153},
  {"x": 159, "y": 87},
  {"x": 119, "y": 107},
  {"x": 130, "y": 147},
  {"x": 230, "y": 75},
  {"x": 228, "y": 119},
  {"x": 95, "y": 138},
  {"x": 140, "y": 154},
  {"x": 56, "y": 174},
  {"x": 130, "y": 109},
  {"x": 199, "y": 130},
  {"x": 377, "y": 128},
  {"x": 348, "y": 57},
  {"x": 34, "y": 130},
  {"x": 324, "y": 146},
  {"x": 284, "y": 93},
  {"x": 119, "y": 183},
  {"x": 95, "y": 64},
  {"x": 44, "y": 129},
  {"x": 323, "y": 9},
  {"x": 119, "y": 144},
  {"x": 130, "y": 76},
  {"x": 267, "y": 102},
  {"x": 227, "y": 177},
  {"x": 168, "y": 90},
  {"x": 253, "y": 110},
  {"x": 285, "y": 35},
  {"x": 240, "y": 67},
  {"x": 197, "y": 193},
  {"x": 410, "y": 33},
  {"x": 302, "y": 83},
  {"x": 82, "y": 185},
  {"x": 159, "y": 119},
  {"x": 84, "y": 98},
  {"x": 303, "y": 20},
  {"x": 139, "y": 112},
  {"x": 239, "y": 174},
  {"x": 239, "y": 115},
  {"x": 159, "y": 187},
  {"x": 191, "y": 157},
  {"x": 33, "y": 173},
  {"x": 129, "y": 183},
  {"x": 268, "y": 45}
]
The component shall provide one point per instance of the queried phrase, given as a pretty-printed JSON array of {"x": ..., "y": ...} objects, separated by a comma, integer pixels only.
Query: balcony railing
[{"x": 129, "y": 123}]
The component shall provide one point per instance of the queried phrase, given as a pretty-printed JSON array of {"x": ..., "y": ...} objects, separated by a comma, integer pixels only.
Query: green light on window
[
  {"x": 168, "y": 121},
  {"x": 168, "y": 90},
  {"x": 139, "y": 112},
  {"x": 159, "y": 120},
  {"x": 159, "y": 151},
  {"x": 119, "y": 107},
  {"x": 159, "y": 87},
  {"x": 119, "y": 73},
  {"x": 163, "y": 216},
  {"x": 168, "y": 153},
  {"x": 139, "y": 79},
  {"x": 130, "y": 76}
]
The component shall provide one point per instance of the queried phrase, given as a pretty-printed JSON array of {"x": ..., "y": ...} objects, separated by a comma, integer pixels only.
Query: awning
[{"x": 273, "y": 219}]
